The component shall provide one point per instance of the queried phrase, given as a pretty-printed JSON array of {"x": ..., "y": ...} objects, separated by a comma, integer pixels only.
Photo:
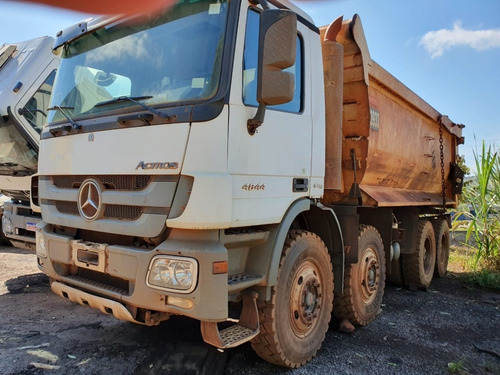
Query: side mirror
[
  {"x": 278, "y": 41},
  {"x": 277, "y": 52}
]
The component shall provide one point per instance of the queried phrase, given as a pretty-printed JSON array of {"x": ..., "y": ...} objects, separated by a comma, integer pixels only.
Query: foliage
[
  {"x": 457, "y": 367},
  {"x": 462, "y": 263},
  {"x": 482, "y": 208},
  {"x": 485, "y": 279},
  {"x": 462, "y": 164},
  {"x": 461, "y": 259}
]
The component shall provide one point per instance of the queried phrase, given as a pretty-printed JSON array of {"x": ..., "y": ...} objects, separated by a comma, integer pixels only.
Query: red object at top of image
[{"x": 108, "y": 6}]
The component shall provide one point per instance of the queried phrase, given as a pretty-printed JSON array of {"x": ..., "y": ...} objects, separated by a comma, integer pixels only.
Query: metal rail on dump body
[{"x": 392, "y": 138}]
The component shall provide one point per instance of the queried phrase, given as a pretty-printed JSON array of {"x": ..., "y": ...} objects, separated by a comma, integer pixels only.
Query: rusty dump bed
[{"x": 386, "y": 137}]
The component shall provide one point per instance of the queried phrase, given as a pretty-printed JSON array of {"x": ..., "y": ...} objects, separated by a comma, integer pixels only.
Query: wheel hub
[
  {"x": 305, "y": 299},
  {"x": 370, "y": 275}
]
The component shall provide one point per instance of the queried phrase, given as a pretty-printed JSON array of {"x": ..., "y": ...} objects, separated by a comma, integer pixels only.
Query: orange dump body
[{"x": 382, "y": 135}]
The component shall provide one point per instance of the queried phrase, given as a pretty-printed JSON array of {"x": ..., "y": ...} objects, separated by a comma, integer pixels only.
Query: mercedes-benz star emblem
[{"x": 89, "y": 200}]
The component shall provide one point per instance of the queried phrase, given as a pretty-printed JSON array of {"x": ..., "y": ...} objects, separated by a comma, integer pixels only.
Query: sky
[{"x": 446, "y": 51}]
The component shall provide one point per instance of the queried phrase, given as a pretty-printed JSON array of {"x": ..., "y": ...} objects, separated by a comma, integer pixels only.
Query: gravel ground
[{"x": 416, "y": 333}]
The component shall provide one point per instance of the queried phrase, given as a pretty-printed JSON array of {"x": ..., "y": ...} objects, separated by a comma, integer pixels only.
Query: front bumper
[
  {"x": 19, "y": 224},
  {"x": 117, "y": 284}
]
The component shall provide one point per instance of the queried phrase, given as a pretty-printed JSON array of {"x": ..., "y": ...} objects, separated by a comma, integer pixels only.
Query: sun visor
[{"x": 86, "y": 26}]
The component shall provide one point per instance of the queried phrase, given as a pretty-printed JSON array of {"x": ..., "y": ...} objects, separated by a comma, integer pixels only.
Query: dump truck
[
  {"x": 27, "y": 71},
  {"x": 231, "y": 162}
]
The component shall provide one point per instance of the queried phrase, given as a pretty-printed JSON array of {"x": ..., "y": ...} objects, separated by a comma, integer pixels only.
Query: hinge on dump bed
[{"x": 245, "y": 330}]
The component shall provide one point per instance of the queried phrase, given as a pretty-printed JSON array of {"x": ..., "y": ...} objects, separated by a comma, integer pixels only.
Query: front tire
[
  {"x": 294, "y": 322},
  {"x": 364, "y": 281}
]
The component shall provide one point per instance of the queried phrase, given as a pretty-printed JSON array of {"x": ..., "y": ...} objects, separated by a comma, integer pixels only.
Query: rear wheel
[
  {"x": 364, "y": 282},
  {"x": 294, "y": 322},
  {"x": 442, "y": 231},
  {"x": 418, "y": 268}
]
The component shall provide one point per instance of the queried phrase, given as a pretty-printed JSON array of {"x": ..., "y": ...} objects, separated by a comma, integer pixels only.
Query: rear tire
[
  {"x": 442, "y": 231},
  {"x": 418, "y": 268},
  {"x": 364, "y": 282},
  {"x": 294, "y": 322}
]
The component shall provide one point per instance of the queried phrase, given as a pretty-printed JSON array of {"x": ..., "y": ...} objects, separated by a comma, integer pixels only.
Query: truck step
[
  {"x": 245, "y": 330},
  {"x": 242, "y": 281}
]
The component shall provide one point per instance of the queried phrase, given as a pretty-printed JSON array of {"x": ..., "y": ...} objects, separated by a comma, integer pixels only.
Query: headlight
[
  {"x": 41, "y": 248},
  {"x": 7, "y": 225},
  {"x": 176, "y": 274}
]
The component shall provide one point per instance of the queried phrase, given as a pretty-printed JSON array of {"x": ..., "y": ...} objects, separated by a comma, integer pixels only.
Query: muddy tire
[
  {"x": 364, "y": 282},
  {"x": 418, "y": 268},
  {"x": 294, "y": 322},
  {"x": 442, "y": 231}
]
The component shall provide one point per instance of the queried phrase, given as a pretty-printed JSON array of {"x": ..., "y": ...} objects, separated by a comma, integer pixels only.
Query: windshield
[
  {"x": 17, "y": 156},
  {"x": 172, "y": 58}
]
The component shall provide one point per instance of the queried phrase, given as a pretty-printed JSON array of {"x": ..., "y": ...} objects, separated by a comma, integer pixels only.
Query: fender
[
  {"x": 293, "y": 211},
  {"x": 324, "y": 222},
  {"x": 318, "y": 219}
]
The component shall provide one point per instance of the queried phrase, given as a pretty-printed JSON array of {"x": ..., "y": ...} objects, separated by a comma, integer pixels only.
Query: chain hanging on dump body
[{"x": 441, "y": 156}]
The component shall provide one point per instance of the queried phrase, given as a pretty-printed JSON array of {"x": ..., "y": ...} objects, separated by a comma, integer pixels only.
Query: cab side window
[{"x": 250, "y": 63}]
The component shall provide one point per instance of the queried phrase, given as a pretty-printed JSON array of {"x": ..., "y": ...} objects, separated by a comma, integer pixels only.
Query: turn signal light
[{"x": 219, "y": 268}]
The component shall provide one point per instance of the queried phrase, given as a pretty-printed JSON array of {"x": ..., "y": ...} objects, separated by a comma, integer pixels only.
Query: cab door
[{"x": 272, "y": 168}]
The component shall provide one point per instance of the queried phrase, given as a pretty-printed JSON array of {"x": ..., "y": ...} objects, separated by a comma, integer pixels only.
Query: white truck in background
[{"x": 27, "y": 71}]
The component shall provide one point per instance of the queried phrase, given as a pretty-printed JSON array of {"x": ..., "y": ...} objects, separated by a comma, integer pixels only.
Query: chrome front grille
[
  {"x": 132, "y": 205},
  {"x": 114, "y": 211},
  {"x": 65, "y": 207},
  {"x": 114, "y": 182},
  {"x": 121, "y": 212}
]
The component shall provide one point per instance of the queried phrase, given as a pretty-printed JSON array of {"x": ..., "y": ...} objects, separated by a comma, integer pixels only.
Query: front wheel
[
  {"x": 294, "y": 322},
  {"x": 364, "y": 281}
]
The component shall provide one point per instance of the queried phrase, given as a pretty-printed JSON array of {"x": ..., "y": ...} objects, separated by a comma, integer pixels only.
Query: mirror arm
[{"x": 254, "y": 123}]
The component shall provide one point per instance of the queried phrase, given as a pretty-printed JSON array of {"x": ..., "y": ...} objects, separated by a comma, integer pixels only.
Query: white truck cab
[{"x": 27, "y": 72}]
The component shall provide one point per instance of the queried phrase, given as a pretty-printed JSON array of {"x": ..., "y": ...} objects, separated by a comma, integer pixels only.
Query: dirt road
[{"x": 416, "y": 333}]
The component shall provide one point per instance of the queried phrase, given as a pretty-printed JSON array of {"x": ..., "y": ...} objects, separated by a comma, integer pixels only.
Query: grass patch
[
  {"x": 485, "y": 279},
  {"x": 462, "y": 263},
  {"x": 457, "y": 368}
]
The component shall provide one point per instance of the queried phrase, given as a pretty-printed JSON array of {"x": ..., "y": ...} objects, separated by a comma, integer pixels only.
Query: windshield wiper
[
  {"x": 9, "y": 164},
  {"x": 65, "y": 127},
  {"x": 24, "y": 111},
  {"x": 12, "y": 165},
  {"x": 135, "y": 100}
]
